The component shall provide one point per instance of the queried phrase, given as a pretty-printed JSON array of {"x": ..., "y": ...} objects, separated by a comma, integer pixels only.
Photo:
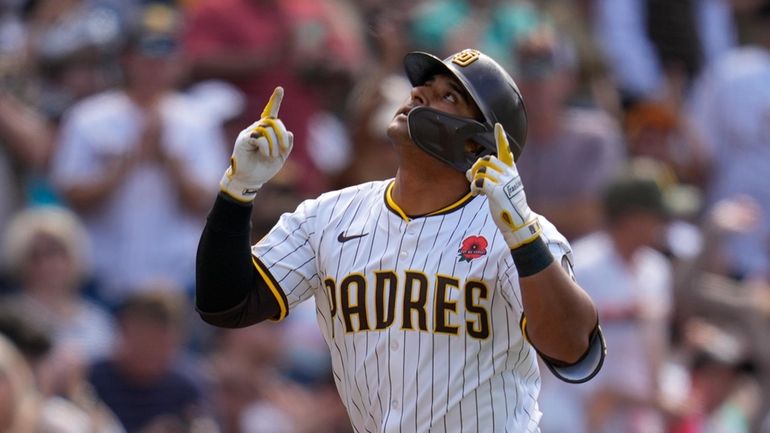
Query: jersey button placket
[
  {"x": 394, "y": 345},
  {"x": 412, "y": 230}
]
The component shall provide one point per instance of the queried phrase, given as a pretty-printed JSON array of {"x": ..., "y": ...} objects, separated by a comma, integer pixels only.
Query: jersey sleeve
[{"x": 285, "y": 257}]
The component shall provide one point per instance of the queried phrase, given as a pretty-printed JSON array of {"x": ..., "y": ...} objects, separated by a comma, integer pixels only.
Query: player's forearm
[
  {"x": 560, "y": 315},
  {"x": 229, "y": 291}
]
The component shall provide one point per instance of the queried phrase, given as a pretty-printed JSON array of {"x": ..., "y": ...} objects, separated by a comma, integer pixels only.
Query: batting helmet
[{"x": 493, "y": 90}]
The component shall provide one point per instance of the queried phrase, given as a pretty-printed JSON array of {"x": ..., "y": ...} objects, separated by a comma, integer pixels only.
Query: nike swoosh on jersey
[{"x": 342, "y": 238}]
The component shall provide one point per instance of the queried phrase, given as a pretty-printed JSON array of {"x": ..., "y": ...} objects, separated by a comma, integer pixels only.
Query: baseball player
[{"x": 435, "y": 290}]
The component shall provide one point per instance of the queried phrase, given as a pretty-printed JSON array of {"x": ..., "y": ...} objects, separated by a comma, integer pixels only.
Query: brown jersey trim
[{"x": 274, "y": 287}]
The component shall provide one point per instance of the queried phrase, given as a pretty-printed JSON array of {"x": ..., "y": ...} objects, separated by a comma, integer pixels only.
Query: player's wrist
[
  {"x": 523, "y": 235},
  {"x": 237, "y": 189},
  {"x": 532, "y": 257}
]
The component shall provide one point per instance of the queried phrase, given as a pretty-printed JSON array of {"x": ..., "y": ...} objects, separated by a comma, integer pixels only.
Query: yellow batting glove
[
  {"x": 497, "y": 178},
  {"x": 259, "y": 153}
]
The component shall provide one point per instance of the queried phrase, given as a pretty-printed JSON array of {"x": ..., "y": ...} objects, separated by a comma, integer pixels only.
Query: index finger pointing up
[
  {"x": 274, "y": 104},
  {"x": 503, "y": 148}
]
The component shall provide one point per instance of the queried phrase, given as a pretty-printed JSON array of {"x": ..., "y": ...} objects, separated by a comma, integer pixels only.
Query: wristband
[{"x": 532, "y": 258}]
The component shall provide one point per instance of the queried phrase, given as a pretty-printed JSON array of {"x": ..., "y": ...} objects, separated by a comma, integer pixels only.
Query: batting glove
[
  {"x": 259, "y": 153},
  {"x": 497, "y": 178}
]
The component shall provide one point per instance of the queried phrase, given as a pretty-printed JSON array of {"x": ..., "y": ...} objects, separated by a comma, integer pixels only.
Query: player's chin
[{"x": 397, "y": 129}]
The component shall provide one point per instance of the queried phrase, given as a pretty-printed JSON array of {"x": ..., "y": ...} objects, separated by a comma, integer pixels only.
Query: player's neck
[{"x": 422, "y": 191}]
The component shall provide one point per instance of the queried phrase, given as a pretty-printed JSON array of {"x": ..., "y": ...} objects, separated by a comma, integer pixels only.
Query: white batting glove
[
  {"x": 259, "y": 153},
  {"x": 497, "y": 178}
]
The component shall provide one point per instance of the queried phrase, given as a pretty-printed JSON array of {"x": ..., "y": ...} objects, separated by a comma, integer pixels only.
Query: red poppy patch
[{"x": 472, "y": 247}]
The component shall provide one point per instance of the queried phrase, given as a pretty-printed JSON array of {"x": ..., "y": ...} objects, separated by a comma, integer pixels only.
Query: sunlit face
[
  {"x": 443, "y": 93},
  {"x": 152, "y": 74},
  {"x": 49, "y": 265},
  {"x": 149, "y": 347},
  {"x": 647, "y": 228}
]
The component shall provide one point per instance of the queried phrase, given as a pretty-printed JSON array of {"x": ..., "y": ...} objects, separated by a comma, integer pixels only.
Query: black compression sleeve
[{"x": 229, "y": 291}]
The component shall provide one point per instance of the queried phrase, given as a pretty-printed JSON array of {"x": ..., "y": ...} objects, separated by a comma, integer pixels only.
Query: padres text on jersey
[{"x": 421, "y": 314}]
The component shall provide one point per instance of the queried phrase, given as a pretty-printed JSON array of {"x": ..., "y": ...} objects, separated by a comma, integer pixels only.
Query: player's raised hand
[
  {"x": 259, "y": 153},
  {"x": 497, "y": 178}
]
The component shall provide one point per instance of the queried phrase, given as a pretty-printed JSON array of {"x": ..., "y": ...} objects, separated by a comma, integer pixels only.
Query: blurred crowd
[{"x": 648, "y": 146}]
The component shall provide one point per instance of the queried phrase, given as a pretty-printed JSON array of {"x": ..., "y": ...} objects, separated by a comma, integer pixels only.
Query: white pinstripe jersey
[{"x": 421, "y": 314}]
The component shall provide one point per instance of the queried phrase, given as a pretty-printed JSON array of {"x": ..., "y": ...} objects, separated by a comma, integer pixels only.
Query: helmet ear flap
[
  {"x": 485, "y": 145},
  {"x": 444, "y": 136},
  {"x": 487, "y": 142}
]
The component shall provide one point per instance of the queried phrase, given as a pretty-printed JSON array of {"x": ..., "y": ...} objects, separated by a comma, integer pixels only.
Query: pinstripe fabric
[{"x": 463, "y": 365}]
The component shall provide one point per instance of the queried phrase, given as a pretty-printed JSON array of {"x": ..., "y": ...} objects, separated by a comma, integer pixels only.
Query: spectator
[
  {"x": 655, "y": 130},
  {"x": 277, "y": 379},
  {"x": 654, "y": 48},
  {"x": 25, "y": 145},
  {"x": 251, "y": 44},
  {"x": 137, "y": 162},
  {"x": 25, "y": 135},
  {"x": 48, "y": 59},
  {"x": 64, "y": 402},
  {"x": 19, "y": 402},
  {"x": 594, "y": 87},
  {"x": 72, "y": 43},
  {"x": 45, "y": 252},
  {"x": 221, "y": 102},
  {"x": 630, "y": 283},
  {"x": 722, "y": 396},
  {"x": 375, "y": 98},
  {"x": 705, "y": 292},
  {"x": 142, "y": 381},
  {"x": 493, "y": 26},
  {"x": 730, "y": 106},
  {"x": 245, "y": 366},
  {"x": 572, "y": 152}
]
